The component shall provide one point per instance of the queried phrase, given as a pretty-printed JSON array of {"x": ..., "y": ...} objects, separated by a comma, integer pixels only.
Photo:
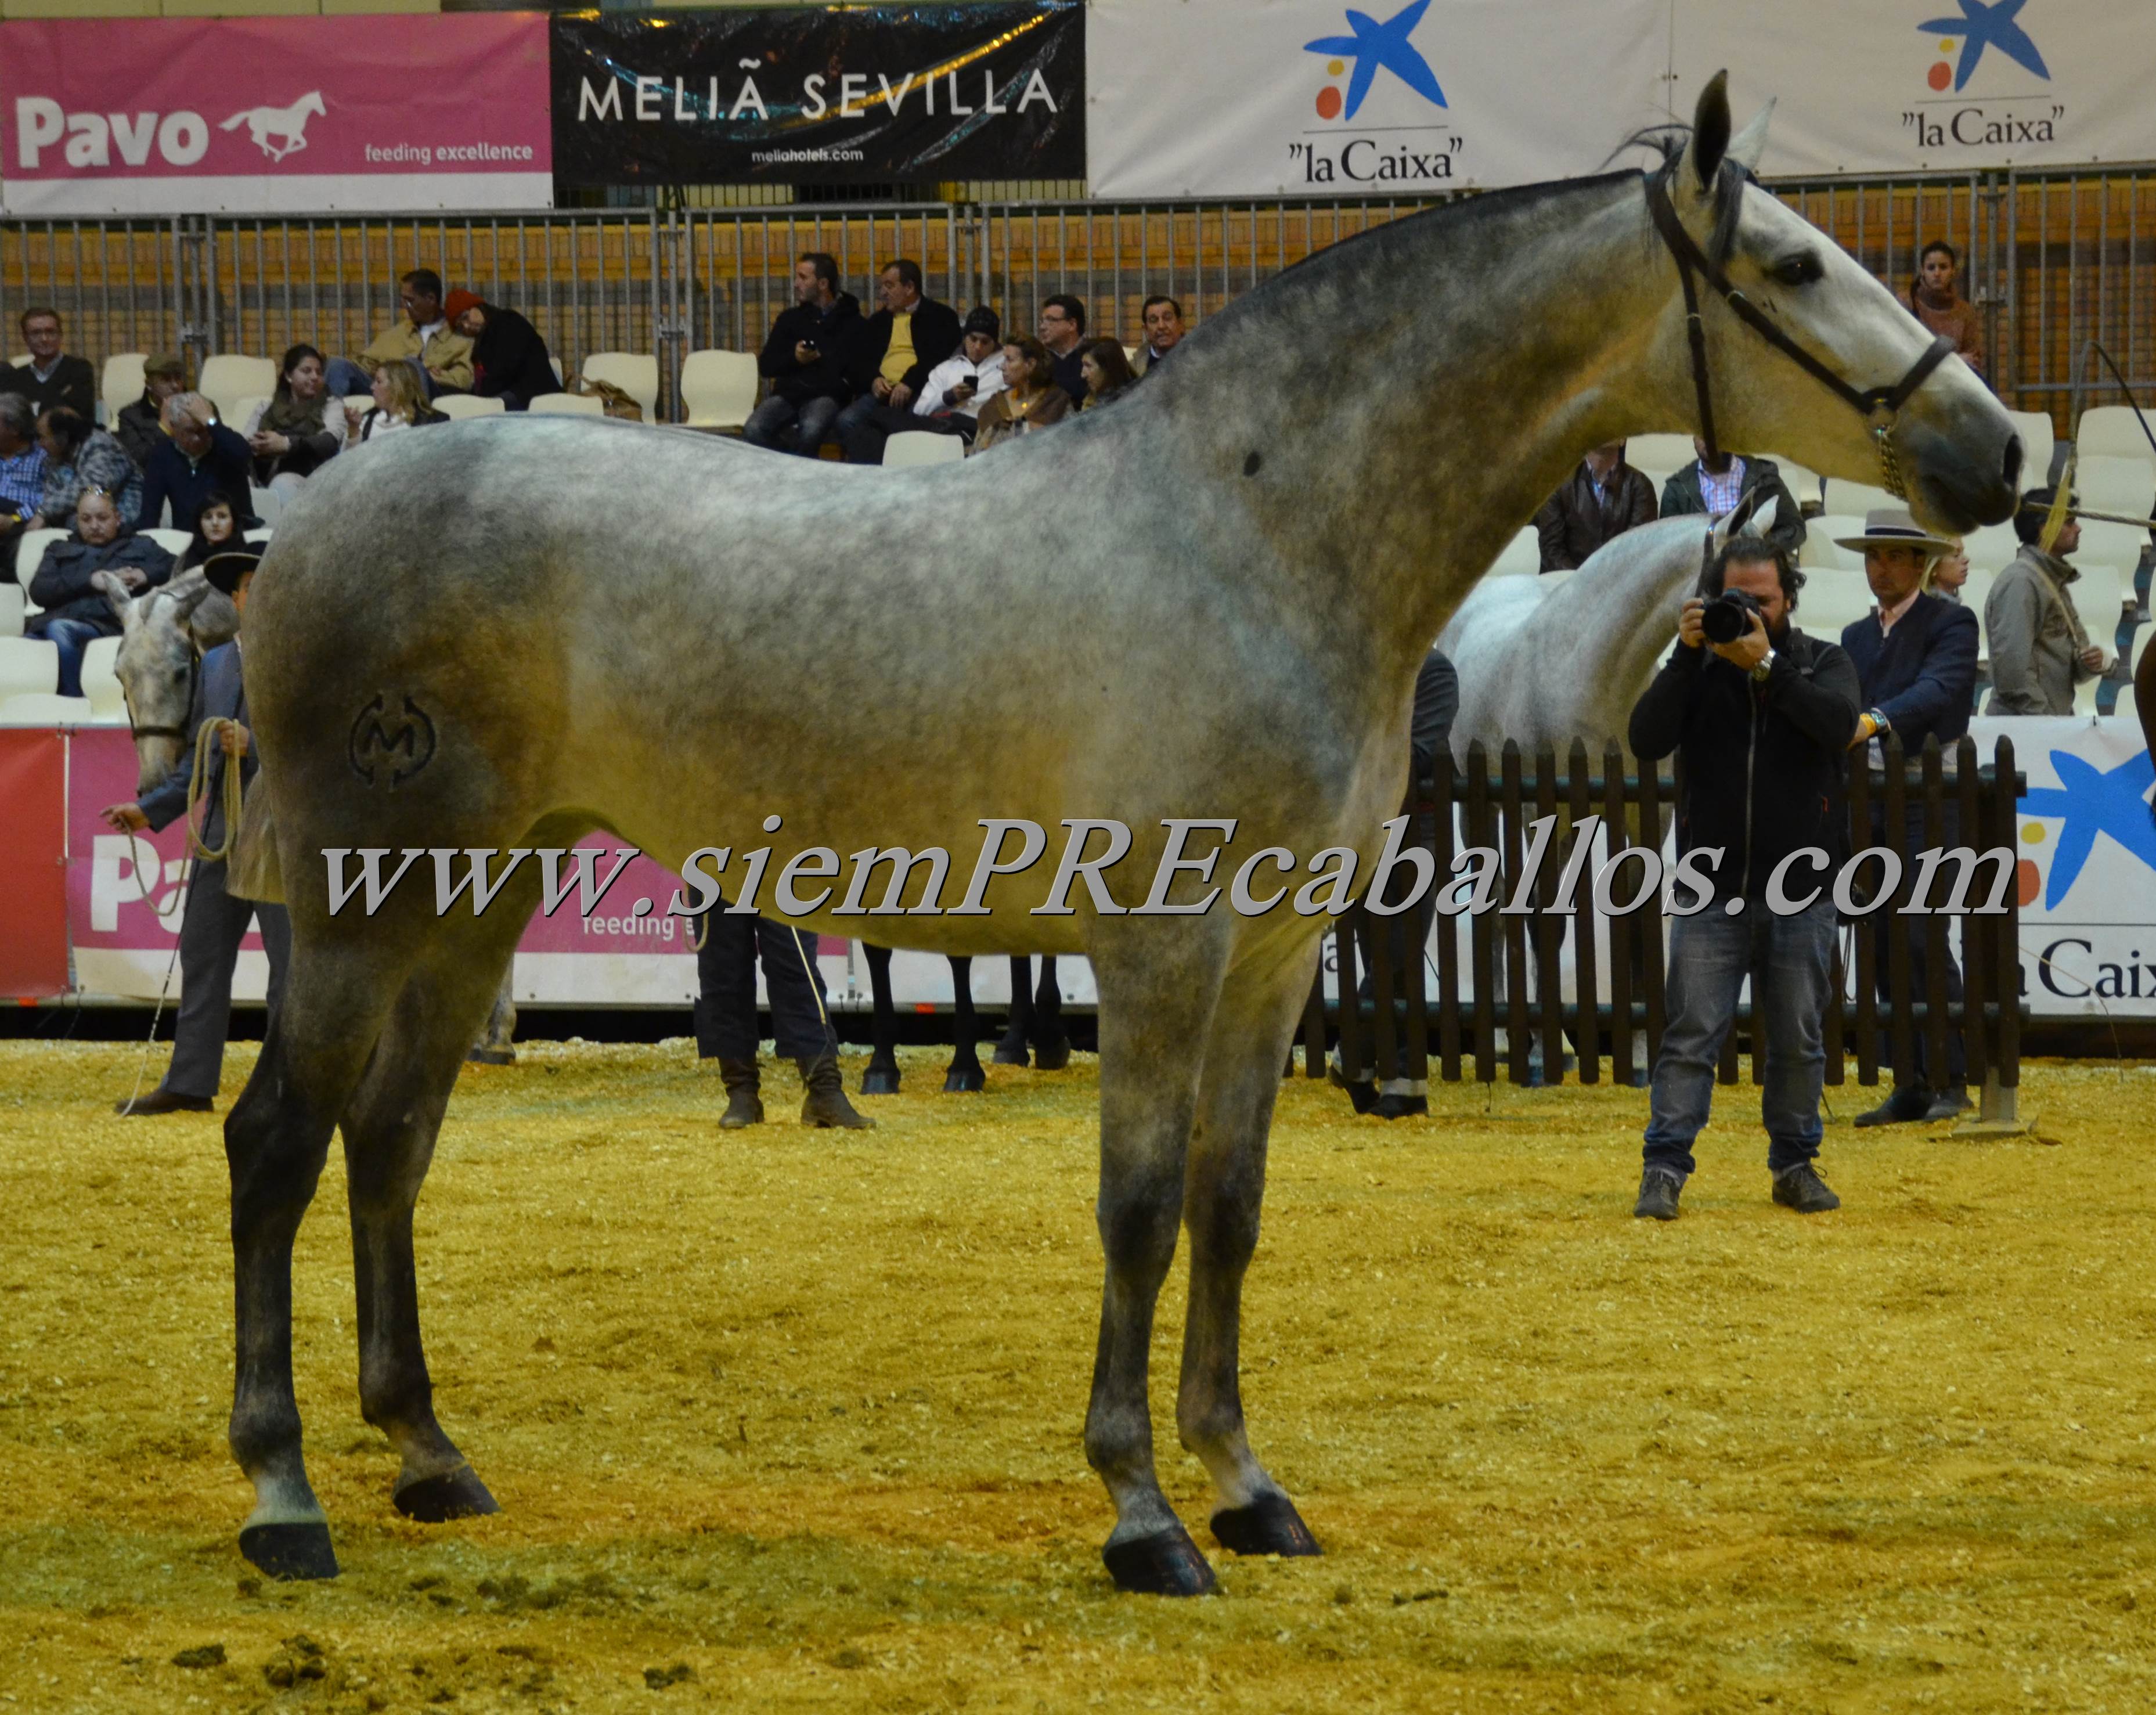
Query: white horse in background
[
  {"x": 1545, "y": 660},
  {"x": 290, "y": 123}
]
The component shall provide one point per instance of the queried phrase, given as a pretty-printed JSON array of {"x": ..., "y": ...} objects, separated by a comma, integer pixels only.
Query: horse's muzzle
[{"x": 1962, "y": 475}]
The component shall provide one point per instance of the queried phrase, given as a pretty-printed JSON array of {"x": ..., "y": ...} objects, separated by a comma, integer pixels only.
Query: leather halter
[{"x": 1879, "y": 406}]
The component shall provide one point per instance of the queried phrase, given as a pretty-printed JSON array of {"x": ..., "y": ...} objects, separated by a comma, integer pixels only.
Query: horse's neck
[
  {"x": 1438, "y": 379},
  {"x": 1635, "y": 618}
]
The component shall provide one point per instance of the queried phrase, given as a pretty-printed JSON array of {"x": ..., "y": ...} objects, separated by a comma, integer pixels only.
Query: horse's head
[
  {"x": 156, "y": 667},
  {"x": 1948, "y": 441}
]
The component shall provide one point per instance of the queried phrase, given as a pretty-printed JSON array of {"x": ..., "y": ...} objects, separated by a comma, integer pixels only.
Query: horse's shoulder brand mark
[{"x": 398, "y": 743}]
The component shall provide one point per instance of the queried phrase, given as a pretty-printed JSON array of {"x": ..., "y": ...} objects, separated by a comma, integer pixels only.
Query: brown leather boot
[
  {"x": 744, "y": 1106},
  {"x": 826, "y": 1103}
]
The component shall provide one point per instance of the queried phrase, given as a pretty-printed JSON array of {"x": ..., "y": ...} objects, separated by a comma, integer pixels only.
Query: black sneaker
[
  {"x": 1658, "y": 1195},
  {"x": 1800, "y": 1188},
  {"x": 1946, "y": 1105},
  {"x": 1905, "y": 1106}
]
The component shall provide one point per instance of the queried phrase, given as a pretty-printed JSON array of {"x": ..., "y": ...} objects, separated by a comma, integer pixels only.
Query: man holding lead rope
[{"x": 215, "y": 922}]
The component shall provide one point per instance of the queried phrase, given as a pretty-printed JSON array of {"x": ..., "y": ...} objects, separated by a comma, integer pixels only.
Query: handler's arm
[
  {"x": 1825, "y": 706},
  {"x": 1945, "y": 682}
]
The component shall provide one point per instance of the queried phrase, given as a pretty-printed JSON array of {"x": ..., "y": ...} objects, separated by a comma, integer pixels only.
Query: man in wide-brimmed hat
[
  {"x": 1915, "y": 660},
  {"x": 215, "y": 922}
]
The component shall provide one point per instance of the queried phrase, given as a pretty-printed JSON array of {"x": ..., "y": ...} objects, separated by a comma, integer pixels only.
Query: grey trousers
[{"x": 209, "y": 947}]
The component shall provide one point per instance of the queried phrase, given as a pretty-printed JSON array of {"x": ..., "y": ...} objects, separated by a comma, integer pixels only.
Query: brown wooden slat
[
  {"x": 1623, "y": 936},
  {"x": 1932, "y": 926},
  {"x": 1549, "y": 927},
  {"x": 1586, "y": 984},
  {"x": 1482, "y": 931},
  {"x": 1977, "y": 1033},
  {"x": 1902, "y": 1040},
  {"x": 1448, "y": 939},
  {"x": 1518, "y": 1037},
  {"x": 1865, "y": 932}
]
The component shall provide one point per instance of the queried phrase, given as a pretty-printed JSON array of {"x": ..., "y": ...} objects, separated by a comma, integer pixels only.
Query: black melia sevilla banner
[{"x": 820, "y": 94}]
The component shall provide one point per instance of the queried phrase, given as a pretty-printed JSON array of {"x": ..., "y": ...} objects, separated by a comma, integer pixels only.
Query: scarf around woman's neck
[{"x": 289, "y": 415}]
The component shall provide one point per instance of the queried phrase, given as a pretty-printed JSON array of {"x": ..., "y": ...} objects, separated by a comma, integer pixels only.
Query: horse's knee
[
  {"x": 1224, "y": 1227},
  {"x": 1137, "y": 1220}
]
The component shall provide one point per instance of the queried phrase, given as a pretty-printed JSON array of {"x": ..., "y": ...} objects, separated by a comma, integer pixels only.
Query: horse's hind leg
[
  {"x": 880, "y": 1076},
  {"x": 1011, "y": 1051},
  {"x": 965, "y": 1071},
  {"x": 275, "y": 1140},
  {"x": 1051, "y": 1044},
  {"x": 390, "y": 1126},
  {"x": 1251, "y": 1029}
]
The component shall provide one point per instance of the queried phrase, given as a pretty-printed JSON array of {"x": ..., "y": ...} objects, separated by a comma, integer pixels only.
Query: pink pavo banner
[{"x": 275, "y": 115}]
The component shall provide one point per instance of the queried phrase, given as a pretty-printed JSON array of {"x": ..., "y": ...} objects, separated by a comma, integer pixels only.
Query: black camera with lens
[{"x": 1728, "y": 616}]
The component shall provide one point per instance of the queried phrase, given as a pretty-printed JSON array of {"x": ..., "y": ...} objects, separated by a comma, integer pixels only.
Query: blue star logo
[
  {"x": 1988, "y": 27},
  {"x": 1386, "y": 44},
  {"x": 2091, "y": 802}
]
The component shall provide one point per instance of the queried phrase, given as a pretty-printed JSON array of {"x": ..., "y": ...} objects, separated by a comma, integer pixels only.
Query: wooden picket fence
[{"x": 1502, "y": 996}]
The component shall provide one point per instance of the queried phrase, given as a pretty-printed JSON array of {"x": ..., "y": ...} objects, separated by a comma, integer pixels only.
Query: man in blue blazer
[
  {"x": 1915, "y": 662},
  {"x": 214, "y": 923}
]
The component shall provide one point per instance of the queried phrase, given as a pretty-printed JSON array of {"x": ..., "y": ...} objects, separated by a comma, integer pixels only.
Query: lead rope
[{"x": 207, "y": 737}]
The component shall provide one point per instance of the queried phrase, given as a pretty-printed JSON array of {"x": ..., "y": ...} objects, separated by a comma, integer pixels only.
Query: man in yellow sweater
[
  {"x": 423, "y": 336},
  {"x": 892, "y": 354}
]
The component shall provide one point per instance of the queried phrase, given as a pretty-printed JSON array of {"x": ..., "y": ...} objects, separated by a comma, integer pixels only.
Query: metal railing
[{"x": 2052, "y": 259}]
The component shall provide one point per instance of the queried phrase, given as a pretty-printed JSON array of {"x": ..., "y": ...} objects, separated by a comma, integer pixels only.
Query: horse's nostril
[{"x": 2011, "y": 470}]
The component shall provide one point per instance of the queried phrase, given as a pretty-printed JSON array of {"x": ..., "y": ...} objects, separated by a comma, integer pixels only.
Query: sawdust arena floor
[{"x": 790, "y": 1419}]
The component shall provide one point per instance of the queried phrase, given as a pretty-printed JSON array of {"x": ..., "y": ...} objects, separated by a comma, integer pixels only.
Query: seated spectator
[
  {"x": 1948, "y": 573},
  {"x": 222, "y": 524},
  {"x": 952, "y": 397},
  {"x": 1106, "y": 372},
  {"x": 1030, "y": 398},
  {"x": 142, "y": 424},
  {"x": 400, "y": 402},
  {"x": 1063, "y": 333},
  {"x": 1163, "y": 331},
  {"x": 78, "y": 454},
  {"x": 301, "y": 429},
  {"x": 1604, "y": 498},
  {"x": 76, "y": 611},
  {"x": 804, "y": 360},
  {"x": 509, "y": 361},
  {"x": 198, "y": 456},
  {"x": 423, "y": 336},
  {"x": 22, "y": 472},
  {"x": 1936, "y": 302},
  {"x": 889, "y": 361},
  {"x": 2040, "y": 650},
  {"x": 50, "y": 377},
  {"x": 1697, "y": 491}
]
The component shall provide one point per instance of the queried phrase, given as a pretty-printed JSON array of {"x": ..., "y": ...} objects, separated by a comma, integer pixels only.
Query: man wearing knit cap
[{"x": 509, "y": 359}]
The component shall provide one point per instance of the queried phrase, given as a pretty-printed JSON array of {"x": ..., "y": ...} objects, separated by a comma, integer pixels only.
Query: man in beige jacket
[
  {"x": 423, "y": 336},
  {"x": 2039, "y": 651}
]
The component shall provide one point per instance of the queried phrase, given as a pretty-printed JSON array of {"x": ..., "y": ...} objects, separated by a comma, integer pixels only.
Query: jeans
[
  {"x": 210, "y": 934},
  {"x": 1710, "y": 955},
  {"x": 863, "y": 427},
  {"x": 72, "y": 637},
  {"x": 785, "y": 427}
]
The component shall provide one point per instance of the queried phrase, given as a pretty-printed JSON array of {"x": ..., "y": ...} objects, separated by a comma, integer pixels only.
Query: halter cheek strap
[{"x": 1878, "y": 405}]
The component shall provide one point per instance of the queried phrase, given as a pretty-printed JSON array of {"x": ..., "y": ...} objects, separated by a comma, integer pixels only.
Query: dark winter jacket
[
  {"x": 834, "y": 331},
  {"x": 1922, "y": 675},
  {"x": 73, "y": 384},
  {"x": 510, "y": 361},
  {"x": 935, "y": 336},
  {"x": 172, "y": 476},
  {"x": 62, "y": 585},
  {"x": 1573, "y": 522},
  {"x": 139, "y": 430},
  {"x": 1682, "y": 498},
  {"x": 1763, "y": 763}
]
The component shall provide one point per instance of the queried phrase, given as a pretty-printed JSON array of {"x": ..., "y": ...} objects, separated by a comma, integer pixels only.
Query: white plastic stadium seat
[
  {"x": 229, "y": 379},
  {"x": 1819, "y": 534},
  {"x": 1990, "y": 547},
  {"x": 245, "y": 416},
  {"x": 11, "y": 610},
  {"x": 456, "y": 405},
  {"x": 567, "y": 405},
  {"x": 1974, "y": 594},
  {"x": 718, "y": 388},
  {"x": 917, "y": 446},
  {"x": 2113, "y": 430},
  {"x": 2034, "y": 427},
  {"x": 2107, "y": 483},
  {"x": 559, "y": 374},
  {"x": 1661, "y": 456},
  {"x": 2097, "y": 596},
  {"x": 28, "y": 663},
  {"x": 1849, "y": 499},
  {"x": 1522, "y": 556},
  {"x": 634, "y": 373},
  {"x": 1833, "y": 597},
  {"x": 33, "y": 708},
  {"x": 1802, "y": 481},
  {"x": 2103, "y": 544},
  {"x": 2125, "y": 708},
  {"x": 265, "y": 503},
  {"x": 122, "y": 383},
  {"x": 29, "y": 551},
  {"x": 258, "y": 536},
  {"x": 174, "y": 542},
  {"x": 101, "y": 685},
  {"x": 2141, "y": 636}
]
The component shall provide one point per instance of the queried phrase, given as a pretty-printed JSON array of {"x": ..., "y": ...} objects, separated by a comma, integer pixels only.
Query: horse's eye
[{"x": 1798, "y": 270}]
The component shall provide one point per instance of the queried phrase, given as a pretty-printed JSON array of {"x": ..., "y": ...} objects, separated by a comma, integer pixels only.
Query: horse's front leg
[
  {"x": 1156, "y": 990},
  {"x": 1261, "y": 1003}
]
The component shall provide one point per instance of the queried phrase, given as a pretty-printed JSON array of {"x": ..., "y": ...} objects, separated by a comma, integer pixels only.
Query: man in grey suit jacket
[{"x": 215, "y": 922}]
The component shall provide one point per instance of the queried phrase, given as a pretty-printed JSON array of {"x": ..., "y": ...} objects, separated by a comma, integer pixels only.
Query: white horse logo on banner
[{"x": 290, "y": 123}]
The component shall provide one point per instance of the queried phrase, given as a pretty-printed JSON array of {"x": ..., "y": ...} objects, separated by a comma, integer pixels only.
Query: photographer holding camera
[{"x": 1762, "y": 716}]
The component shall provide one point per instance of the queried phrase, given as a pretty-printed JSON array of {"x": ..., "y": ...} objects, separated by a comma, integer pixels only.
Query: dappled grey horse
[{"x": 494, "y": 636}]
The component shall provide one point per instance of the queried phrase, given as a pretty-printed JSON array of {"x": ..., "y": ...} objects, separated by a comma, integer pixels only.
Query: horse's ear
[
  {"x": 1710, "y": 134},
  {"x": 1762, "y": 518},
  {"x": 1749, "y": 145},
  {"x": 118, "y": 599},
  {"x": 185, "y": 598}
]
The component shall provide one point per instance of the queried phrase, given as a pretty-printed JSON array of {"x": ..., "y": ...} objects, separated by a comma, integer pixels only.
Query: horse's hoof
[
  {"x": 880, "y": 1081},
  {"x": 454, "y": 1494},
  {"x": 1165, "y": 1565},
  {"x": 1010, "y": 1054},
  {"x": 1052, "y": 1056},
  {"x": 289, "y": 1551},
  {"x": 492, "y": 1056},
  {"x": 1269, "y": 1525},
  {"x": 959, "y": 1079}
]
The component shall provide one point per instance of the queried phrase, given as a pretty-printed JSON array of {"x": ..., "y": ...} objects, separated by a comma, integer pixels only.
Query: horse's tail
[
  {"x": 251, "y": 872},
  {"x": 236, "y": 120}
]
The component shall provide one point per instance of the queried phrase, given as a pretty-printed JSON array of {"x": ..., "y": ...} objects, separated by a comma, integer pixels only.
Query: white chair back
[
  {"x": 229, "y": 379},
  {"x": 918, "y": 446},
  {"x": 29, "y": 551},
  {"x": 1819, "y": 534},
  {"x": 101, "y": 685},
  {"x": 718, "y": 388},
  {"x": 33, "y": 708},
  {"x": 2107, "y": 483},
  {"x": 2098, "y": 596},
  {"x": 2115, "y": 430},
  {"x": 1802, "y": 481},
  {"x": 28, "y": 664},
  {"x": 13, "y": 607},
  {"x": 2037, "y": 441},
  {"x": 1855, "y": 499},
  {"x": 634, "y": 372},
  {"x": 456, "y": 405},
  {"x": 2104, "y": 544},
  {"x": 122, "y": 383},
  {"x": 1521, "y": 557},
  {"x": 175, "y": 542},
  {"x": 567, "y": 405}
]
